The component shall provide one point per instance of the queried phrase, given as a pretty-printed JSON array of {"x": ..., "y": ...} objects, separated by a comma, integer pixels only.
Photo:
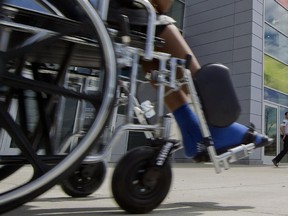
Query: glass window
[
  {"x": 277, "y": 16},
  {"x": 177, "y": 12},
  {"x": 276, "y": 44},
  {"x": 275, "y": 96},
  {"x": 28, "y": 4},
  {"x": 275, "y": 74}
]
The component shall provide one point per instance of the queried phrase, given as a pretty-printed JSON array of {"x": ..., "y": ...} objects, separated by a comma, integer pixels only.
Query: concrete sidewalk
[{"x": 196, "y": 190}]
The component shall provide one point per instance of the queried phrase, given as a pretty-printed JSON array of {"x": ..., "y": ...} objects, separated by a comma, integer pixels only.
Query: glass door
[{"x": 271, "y": 128}]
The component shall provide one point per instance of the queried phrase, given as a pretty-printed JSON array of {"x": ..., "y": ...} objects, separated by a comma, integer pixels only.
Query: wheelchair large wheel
[
  {"x": 85, "y": 180},
  {"x": 137, "y": 185},
  {"x": 57, "y": 90}
]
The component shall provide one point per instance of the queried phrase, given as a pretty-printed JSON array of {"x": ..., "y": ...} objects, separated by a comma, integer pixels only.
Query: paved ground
[{"x": 196, "y": 190}]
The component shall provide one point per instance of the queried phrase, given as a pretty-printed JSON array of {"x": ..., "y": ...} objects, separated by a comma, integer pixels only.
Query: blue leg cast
[
  {"x": 188, "y": 124},
  {"x": 223, "y": 138}
]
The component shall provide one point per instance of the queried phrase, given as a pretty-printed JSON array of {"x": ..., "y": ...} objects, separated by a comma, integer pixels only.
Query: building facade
[{"x": 251, "y": 38}]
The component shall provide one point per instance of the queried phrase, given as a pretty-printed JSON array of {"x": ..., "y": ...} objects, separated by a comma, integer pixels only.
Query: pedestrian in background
[{"x": 284, "y": 137}]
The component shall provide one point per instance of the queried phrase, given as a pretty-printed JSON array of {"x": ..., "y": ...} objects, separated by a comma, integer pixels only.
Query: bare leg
[{"x": 177, "y": 47}]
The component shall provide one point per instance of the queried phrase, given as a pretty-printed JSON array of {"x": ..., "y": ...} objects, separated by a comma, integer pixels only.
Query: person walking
[{"x": 284, "y": 136}]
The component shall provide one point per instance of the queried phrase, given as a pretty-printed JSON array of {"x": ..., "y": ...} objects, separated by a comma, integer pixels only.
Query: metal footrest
[{"x": 232, "y": 155}]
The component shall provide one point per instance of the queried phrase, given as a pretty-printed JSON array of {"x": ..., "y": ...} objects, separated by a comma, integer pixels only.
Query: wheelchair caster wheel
[
  {"x": 85, "y": 180},
  {"x": 137, "y": 185}
]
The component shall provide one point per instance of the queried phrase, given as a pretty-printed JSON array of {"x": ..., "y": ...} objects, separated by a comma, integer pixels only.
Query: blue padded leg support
[{"x": 223, "y": 137}]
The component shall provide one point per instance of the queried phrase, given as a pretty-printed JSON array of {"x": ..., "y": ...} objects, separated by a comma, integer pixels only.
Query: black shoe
[
  {"x": 202, "y": 157},
  {"x": 275, "y": 163},
  {"x": 251, "y": 135}
]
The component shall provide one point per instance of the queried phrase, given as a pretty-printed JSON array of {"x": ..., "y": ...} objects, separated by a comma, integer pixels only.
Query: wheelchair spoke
[{"x": 21, "y": 140}]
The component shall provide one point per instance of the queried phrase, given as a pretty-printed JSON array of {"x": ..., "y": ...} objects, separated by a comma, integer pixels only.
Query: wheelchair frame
[{"x": 156, "y": 155}]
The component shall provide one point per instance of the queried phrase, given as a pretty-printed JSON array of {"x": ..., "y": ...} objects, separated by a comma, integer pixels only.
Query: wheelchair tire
[
  {"x": 85, "y": 180},
  {"x": 134, "y": 192}
]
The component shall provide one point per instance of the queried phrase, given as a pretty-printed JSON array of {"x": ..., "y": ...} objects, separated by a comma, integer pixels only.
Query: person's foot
[
  {"x": 275, "y": 163},
  {"x": 260, "y": 140},
  {"x": 202, "y": 157}
]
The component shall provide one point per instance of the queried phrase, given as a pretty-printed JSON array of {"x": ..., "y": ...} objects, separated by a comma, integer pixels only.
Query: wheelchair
[{"x": 59, "y": 95}]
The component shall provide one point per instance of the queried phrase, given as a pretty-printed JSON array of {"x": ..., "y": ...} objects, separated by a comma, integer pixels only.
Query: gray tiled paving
[{"x": 196, "y": 190}]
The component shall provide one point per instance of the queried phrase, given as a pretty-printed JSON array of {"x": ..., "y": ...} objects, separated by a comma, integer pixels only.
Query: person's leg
[
  {"x": 177, "y": 47},
  {"x": 284, "y": 151},
  {"x": 223, "y": 137},
  {"x": 177, "y": 102}
]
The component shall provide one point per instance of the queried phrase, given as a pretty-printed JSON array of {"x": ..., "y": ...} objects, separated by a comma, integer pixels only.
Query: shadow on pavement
[{"x": 191, "y": 208}]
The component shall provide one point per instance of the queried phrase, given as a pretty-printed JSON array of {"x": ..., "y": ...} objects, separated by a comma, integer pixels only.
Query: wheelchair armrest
[{"x": 149, "y": 48}]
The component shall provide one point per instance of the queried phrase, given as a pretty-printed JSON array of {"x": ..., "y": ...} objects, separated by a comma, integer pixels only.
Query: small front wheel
[
  {"x": 137, "y": 185},
  {"x": 85, "y": 180}
]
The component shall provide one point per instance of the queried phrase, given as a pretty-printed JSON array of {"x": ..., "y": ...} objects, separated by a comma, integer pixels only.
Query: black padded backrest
[{"x": 217, "y": 94}]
